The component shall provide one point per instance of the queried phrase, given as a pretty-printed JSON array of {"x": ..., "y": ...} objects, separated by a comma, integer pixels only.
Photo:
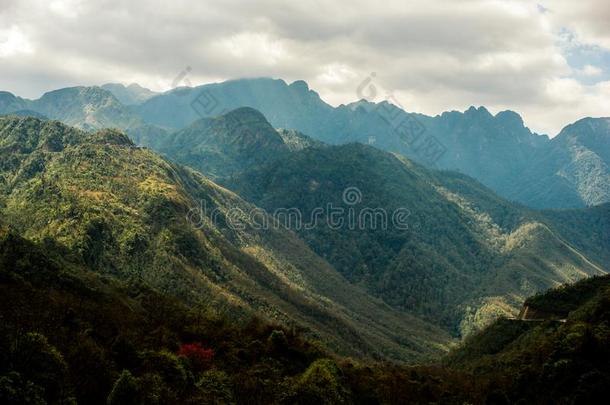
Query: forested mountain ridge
[
  {"x": 474, "y": 142},
  {"x": 573, "y": 170},
  {"x": 225, "y": 145},
  {"x": 495, "y": 253},
  {"x": 92, "y": 225},
  {"x": 122, "y": 210},
  {"x": 492, "y": 247},
  {"x": 84, "y": 107}
]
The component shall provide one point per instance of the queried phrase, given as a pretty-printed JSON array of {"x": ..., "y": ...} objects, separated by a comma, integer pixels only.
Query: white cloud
[
  {"x": 65, "y": 8},
  {"x": 252, "y": 46},
  {"x": 590, "y": 70},
  {"x": 433, "y": 55},
  {"x": 587, "y": 18},
  {"x": 13, "y": 42}
]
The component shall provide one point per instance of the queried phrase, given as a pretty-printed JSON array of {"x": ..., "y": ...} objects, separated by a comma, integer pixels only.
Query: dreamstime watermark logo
[
  {"x": 407, "y": 127},
  {"x": 204, "y": 104},
  {"x": 352, "y": 196},
  {"x": 349, "y": 215},
  {"x": 182, "y": 79}
]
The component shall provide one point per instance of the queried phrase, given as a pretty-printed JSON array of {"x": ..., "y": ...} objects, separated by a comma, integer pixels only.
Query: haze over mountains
[{"x": 500, "y": 151}]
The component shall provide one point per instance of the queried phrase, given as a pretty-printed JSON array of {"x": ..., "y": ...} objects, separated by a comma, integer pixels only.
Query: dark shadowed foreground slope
[
  {"x": 71, "y": 334},
  {"x": 548, "y": 361}
]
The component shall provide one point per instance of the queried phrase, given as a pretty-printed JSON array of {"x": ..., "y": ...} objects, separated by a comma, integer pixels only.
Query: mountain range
[
  {"x": 248, "y": 241},
  {"x": 123, "y": 211},
  {"x": 498, "y": 150},
  {"x": 493, "y": 264},
  {"x": 495, "y": 253},
  {"x": 126, "y": 209},
  {"x": 84, "y": 107}
]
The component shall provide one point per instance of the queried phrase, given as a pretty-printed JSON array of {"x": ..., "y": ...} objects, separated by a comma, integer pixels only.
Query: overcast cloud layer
[{"x": 548, "y": 61}]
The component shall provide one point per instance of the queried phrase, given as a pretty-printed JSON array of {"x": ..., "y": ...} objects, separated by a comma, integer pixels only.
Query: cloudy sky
[{"x": 548, "y": 60}]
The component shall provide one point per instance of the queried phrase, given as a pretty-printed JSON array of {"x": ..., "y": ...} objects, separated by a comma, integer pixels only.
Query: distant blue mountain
[
  {"x": 493, "y": 149},
  {"x": 129, "y": 95},
  {"x": 570, "y": 170},
  {"x": 83, "y": 107}
]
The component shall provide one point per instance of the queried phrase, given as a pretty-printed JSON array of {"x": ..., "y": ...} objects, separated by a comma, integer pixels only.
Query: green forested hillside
[
  {"x": 587, "y": 229},
  {"x": 71, "y": 335},
  {"x": 465, "y": 257},
  {"x": 127, "y": 213},
  {"x": 226, "y": 145},
  {"x": 547, "y": 362},
  {"x": 572, "y": 171}
]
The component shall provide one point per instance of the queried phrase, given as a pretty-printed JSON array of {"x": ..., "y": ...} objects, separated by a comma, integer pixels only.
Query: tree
[
  {"x": 277, "y": 341},
  {"x": 214, "y": 388},
  {"x": 322, "y": 383},
  {"x": 199, "y": 357},
  {"x": 168, "y": 366},
  {"x": 125, "y": 390},
  {"x": 41, "y": 363},
  {"x": 15, "y": 390}
]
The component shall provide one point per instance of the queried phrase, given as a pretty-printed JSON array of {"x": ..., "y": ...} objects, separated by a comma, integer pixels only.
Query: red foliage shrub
[{"x": 199, "y": 356}]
